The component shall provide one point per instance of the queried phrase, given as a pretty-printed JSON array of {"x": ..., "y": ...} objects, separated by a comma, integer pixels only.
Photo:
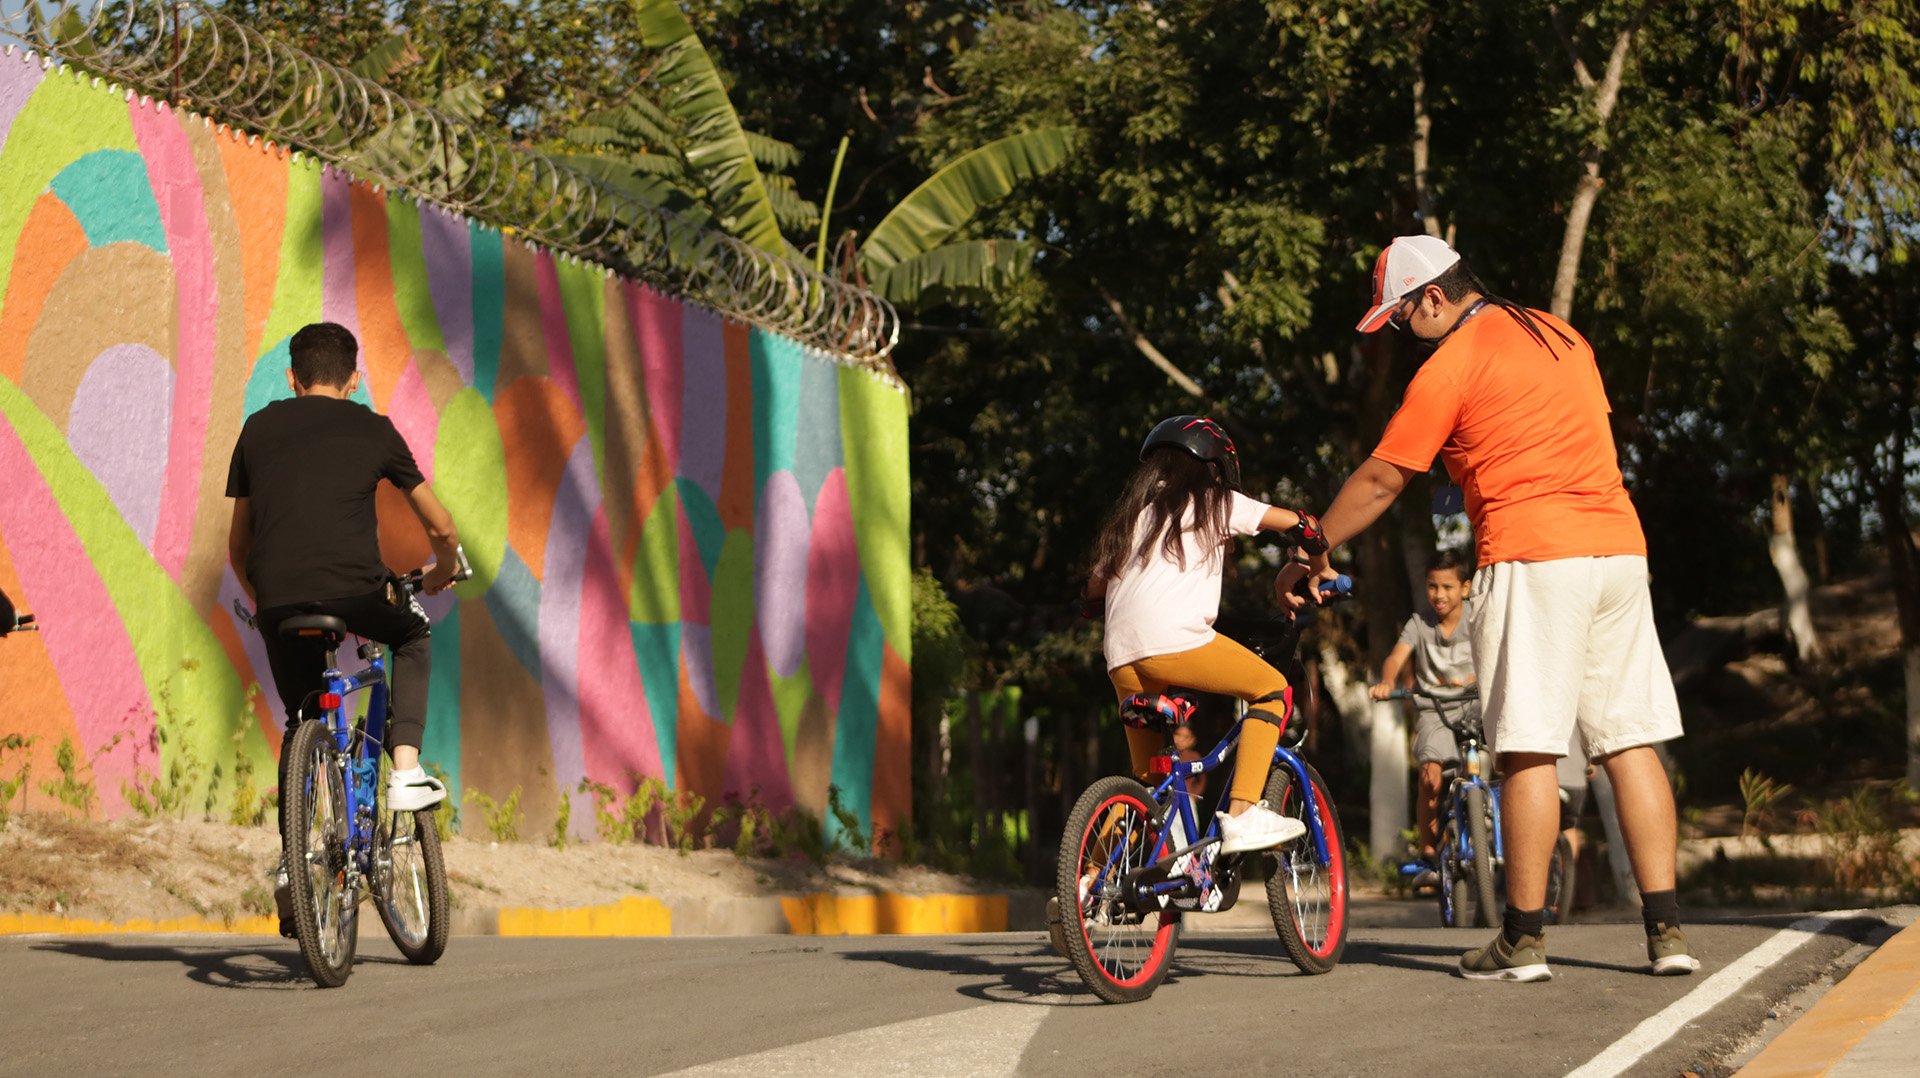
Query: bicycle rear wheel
[
  {"x": 1308, "y": 900},
  {"x": 1120, "y": 950},
  {"x": 410, "y": 885},
  {"x": 315, "y": 841},
  {"x": 1486, "y": 895}
]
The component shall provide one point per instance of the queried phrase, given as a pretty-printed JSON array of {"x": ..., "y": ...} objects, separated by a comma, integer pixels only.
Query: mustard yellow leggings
[{"x": 1220, "y": 665}]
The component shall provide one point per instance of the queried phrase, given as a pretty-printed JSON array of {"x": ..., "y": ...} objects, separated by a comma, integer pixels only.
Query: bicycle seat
[{"x": 314, "y": 625}]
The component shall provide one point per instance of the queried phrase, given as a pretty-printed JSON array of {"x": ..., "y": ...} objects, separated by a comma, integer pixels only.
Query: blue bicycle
[
  {"x": 338, "y": 841},
  {"x": 1472, "y": 848},
  {"x": 1134, "y": 861}
]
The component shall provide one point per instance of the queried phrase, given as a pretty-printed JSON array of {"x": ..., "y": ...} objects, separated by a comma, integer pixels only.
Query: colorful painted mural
[{"x": 689, "y": 534}]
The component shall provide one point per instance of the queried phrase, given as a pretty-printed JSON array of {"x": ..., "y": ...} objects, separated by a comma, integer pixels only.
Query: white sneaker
[
  {"x": 1258, "y": 828},
  {"x": 410, "y": 791}
]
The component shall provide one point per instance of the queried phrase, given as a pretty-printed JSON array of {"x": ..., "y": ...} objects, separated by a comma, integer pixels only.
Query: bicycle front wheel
[
  {"x": 1486, "y": 896},
  {"x": 1453, "y": 878},
  {"x": 1120, "y": 949},
  {"x": 315, "y": 844},
  {"x": 1308, "y": 900},
  {"x": 410, "y": 885},
  {"x": 1561, "y": 876}
]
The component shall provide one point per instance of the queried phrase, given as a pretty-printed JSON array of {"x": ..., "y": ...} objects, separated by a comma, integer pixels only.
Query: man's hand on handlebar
[{"x": 446, "y": 572}]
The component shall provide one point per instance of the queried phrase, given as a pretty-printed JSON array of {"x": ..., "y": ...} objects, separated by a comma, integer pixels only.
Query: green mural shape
[
  {"x": 412, "y": 297},
  {"x": 654, "y": 596},
  {"x": 470, "y": 476},
  {"x": 732, "y": 617},
  {"x": 583, "y": 292},
  {"x": 789, "y": 700},
  {"x": 873, "y": 431},
  {"x": 63, "y": 113},
  {"x": 296, "y": 290},
  {"x": 185, "y": 669}
]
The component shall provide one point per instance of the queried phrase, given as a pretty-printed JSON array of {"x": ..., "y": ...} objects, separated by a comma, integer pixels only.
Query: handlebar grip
[{"x": 1339, "y": 585}]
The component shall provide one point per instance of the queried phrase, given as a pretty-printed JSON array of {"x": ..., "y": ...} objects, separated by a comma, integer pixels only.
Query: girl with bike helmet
[{"x": 1157, "y": 562}]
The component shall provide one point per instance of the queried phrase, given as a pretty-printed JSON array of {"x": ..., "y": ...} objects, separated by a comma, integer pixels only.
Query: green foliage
[
  {"x": 624, "y": 819},
  {"x": 503, "y": 818},
  {"x": 682, "y": 814},
  {"x": 849, "y": 834},
  {"x": 563, "y": 817},
  {"x": 20, "y": 745},
  {"x": 1761, "y": 796},
  {"x": 177, "y": 770},
  {"x": 1863, "y": 846},
  {"x": 446, "y": 815},
  {"x": 70, "y": 789}
]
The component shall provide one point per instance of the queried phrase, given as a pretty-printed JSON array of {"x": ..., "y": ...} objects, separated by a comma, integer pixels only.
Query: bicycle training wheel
[
  {"x": 315, "y": 841},
  {"x": 1561, "y": 875},
  {"x": 410, "y": 885},
  {"x": 1453, "y": 878},
  {"x": 1486, "y": 895},
  {"x": 1120, "y": 949},
  {"x": 1308, "y": 900}
]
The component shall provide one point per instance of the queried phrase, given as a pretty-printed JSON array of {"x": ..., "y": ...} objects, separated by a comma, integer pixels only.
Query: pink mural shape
[
  {"x": 656, "y": 325},
  {"x": 553, "y": 326},
  {"x": 833, "y": 585},
  {"x": 413, "y": 415},
  {"x": 756, "y": 753},
  {"x": 82, "y": 630},
  {"x": 118, "y": 425},
  {"x": 574, "y": 507},
  {"x": 616, "y": 726},
  {"x": 176, "y": 190},
  {"x": 781, "y": 538},
  {"x": 17, "y": 85}
]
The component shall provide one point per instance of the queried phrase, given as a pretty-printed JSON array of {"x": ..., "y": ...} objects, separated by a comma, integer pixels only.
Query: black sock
[
  {"x": 1659, "y": 908},
  {"x": 1524, "y": 923}
]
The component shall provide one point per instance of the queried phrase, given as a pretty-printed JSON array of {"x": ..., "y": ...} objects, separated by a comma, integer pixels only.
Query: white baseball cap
[{"x": 1408, "y": 263}]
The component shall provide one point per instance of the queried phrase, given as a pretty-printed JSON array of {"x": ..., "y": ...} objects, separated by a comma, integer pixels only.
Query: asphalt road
[{"x": 986, "y": 1004}]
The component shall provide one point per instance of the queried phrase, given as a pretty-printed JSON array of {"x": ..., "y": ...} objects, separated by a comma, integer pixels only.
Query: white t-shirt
[{"x": 1159, "y": 608}]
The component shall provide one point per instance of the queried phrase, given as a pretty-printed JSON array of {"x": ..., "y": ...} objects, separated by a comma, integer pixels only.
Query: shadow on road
[{"x": 266, "y": 966}]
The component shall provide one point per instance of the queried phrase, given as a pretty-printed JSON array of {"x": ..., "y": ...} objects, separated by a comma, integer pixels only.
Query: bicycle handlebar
[
  {"x": 409, "y": 580},
  {"x": 22, "y": 623},
  {"x": 1469, "y": 692}
]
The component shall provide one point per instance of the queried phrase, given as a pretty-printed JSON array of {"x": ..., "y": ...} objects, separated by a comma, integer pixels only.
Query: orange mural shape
[
  {"x": 541, "y": 426},
  {"x": 257, "y": 186},
  {"x": 384, "y": 347},
  {"x": 55, "y": 237}
]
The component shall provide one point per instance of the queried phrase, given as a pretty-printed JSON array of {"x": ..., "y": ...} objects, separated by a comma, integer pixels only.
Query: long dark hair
[{"x": 1166, "y": 485}]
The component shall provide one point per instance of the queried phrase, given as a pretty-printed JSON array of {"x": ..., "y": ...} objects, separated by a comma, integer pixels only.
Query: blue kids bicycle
[
  {"x": 338, "y": 841},
  {"x": 1129, "y": 870},
  {"x": 1472, "y": 849}
]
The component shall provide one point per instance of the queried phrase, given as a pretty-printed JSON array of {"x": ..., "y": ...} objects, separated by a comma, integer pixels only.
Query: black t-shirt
[{"x": 308, "y": 467}]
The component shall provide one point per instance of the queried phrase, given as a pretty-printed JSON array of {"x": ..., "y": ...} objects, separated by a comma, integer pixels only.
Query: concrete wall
[{"x": 690, "y": 534}]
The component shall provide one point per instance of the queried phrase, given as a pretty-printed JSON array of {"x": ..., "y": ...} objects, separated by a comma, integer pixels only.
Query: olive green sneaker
[
  {"x": 1668, "y": 953},
  {"x": 1525, "y": 960}
]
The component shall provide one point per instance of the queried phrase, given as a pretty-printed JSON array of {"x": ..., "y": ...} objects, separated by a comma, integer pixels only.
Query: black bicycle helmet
[{"x": 1203, "y": 438}]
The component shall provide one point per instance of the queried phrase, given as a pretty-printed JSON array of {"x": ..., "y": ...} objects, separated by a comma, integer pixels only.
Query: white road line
[
  {"x": 985, "y": 1040},
  {"x": 1653, "y": 1032}
]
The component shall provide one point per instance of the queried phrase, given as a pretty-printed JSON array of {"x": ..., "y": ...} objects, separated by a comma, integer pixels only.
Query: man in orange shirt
[{"x": 1562, "y": 621}]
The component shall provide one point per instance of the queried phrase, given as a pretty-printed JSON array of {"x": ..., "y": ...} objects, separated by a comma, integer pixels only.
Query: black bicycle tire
[
  {"x": 1453, "y": 894},
  {"x": 1282, "y": 796},
  {"x": 433, "y": 860},
  {"x": 1486, "y": 893},
  {"x": 1562, "y": 878},
  {"x": 1080, "y": 949},
  {"x": 307, "y": 739}
]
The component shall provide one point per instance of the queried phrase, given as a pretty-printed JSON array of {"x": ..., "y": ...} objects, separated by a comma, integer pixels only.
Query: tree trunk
[
  {"x": 1603, "y": 95},
  {"x": 1387, "y": 789},
  {"x": 1903, "y": 562},
  {"x": 1796, "y": 616}
]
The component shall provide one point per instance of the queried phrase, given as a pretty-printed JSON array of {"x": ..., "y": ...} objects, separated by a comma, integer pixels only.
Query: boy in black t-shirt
[{"x": 305, "y": 539}]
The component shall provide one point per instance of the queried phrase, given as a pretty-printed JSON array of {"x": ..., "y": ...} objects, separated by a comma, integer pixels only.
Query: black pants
[{"x": 298, "y": 662}]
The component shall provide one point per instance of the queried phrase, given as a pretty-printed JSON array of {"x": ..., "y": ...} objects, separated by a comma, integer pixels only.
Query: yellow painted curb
[
  {"x": 906, "y": 915},
  {"x": 15, "y": 924},
  {"x": 631, "y": 916},
  {"x": 1874, "y": 992}
]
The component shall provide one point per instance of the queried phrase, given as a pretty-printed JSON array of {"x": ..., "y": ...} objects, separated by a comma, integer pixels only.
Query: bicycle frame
[
  {"x": 362, "y": 753},
  {"x": 1173, "y": 792}
]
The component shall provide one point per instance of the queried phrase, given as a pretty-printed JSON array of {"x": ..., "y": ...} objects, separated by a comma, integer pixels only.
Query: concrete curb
[{"x": 817, "y": 914}]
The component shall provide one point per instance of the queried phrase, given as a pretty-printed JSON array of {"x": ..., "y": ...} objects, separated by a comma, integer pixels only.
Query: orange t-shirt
[{"x": 1523, "y": 430}]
